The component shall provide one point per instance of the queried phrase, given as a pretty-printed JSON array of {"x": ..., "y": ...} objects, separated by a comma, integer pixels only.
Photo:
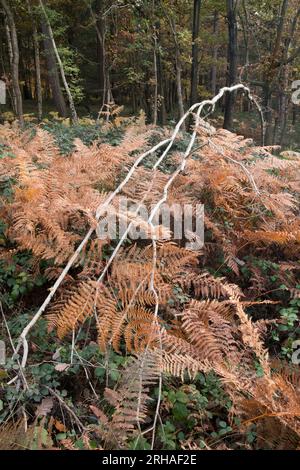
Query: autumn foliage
[{"x": 176, "y": 312}]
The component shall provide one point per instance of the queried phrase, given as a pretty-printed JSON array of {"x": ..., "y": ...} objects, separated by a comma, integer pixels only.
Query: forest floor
[
  {"x": 246, "y": 279},
  {"x": 246, "y": 123}
]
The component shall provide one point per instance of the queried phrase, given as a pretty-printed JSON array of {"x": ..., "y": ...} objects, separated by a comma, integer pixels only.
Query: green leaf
[
  {"x": 182, "y": 397},
  {"x": 180, "y": 411},
  {"x": 99, "y": 372},
  {"x": 114, "y": 375}
]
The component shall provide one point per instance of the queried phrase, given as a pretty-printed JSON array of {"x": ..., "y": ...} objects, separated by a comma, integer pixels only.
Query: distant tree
[
  {"x": 195, "y": 52},
  {"x": 60, "y": 64},
  {"x": 37, "y": 61},
  {"x": 232, "y": 60},
  {"x": 14, "y": 47}
]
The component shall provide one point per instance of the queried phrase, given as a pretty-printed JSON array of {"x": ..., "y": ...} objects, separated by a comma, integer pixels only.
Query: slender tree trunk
[
  {"x": 162, "y": 115},
  {"x": 15, "y": 61},
  {"x": 161, "y": 92},
  {"x": 26, "y": 75},
  {"x": 244, "y": 18},
  {"x": 294, "y": 114},
  {"x": 215, "y": 54},
  {"x": 155, "y": 104},
  {"x": 60, "y": 65},
  {"x": 267, "y": 106},
  {"x": 179, "y": 88},
  {"x": 100, "y": 31},
  {"x": 280, "y": 29},
  {"x": 106, "y": 96},
  {"x": 285, "y": 95},
  {"x": 38, "y": 84},
  {"x": 39, "y": 93},
  {"x": 148, "y": 97},
  {"x": 284, "y": 104},
  {"x": 272, "y": 71},
  {"x": 53, "y": 74},
  {"x": 178, "y": 70},
  {"x": 232, "y": 62},
  {"x": 10, "y": 55},
  {"x": 195, "y": 52}
]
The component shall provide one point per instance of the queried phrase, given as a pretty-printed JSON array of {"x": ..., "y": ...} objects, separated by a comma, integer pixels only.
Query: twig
[
  {"x": 86, "y": 374},
  {"x": 14, "y": 350},
  {"x": 70, "y": 411}
]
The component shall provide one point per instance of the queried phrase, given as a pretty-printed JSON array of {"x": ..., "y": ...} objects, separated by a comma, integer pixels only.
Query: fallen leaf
[
  {"x": 44, "y": 407},
  {"x": 62, "y": 366},
  {"x": 99, "y": 414},
  {"x": 60, "y": 426}
]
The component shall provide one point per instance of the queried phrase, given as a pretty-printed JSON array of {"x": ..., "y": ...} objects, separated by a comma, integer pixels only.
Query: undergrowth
[{"x": 171, "y": 348}]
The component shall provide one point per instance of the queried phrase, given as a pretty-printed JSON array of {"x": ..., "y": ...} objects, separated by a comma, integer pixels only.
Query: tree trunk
[
  {"x": 25, "y": 73},
  {"x": 53, "y": 74},
  {"x": 267, "y": 102},
  {"x": 195, "y": 52},
  {"x": 215, "y": 55},
  {"x": 60, "y": 65},
  {"x": 100, "y": 30},
  {"x": 294, "y": 114},
  {"x": 39, "y": 93},
  {"x": 155, "y": 104},
  {"x": 106, "y": 96},
  {"x": 38, "y": 84},
  {"x": 284, "y": 104},
  {"x": 10, "y": 55},
  {"x": 178, "y": 68},
  {"x": 271, "y": 72},
  {"x": 285, "y": 95},
  {"x": 15, "y": 61},
  {"x": 160, "y": 83},
  {"x": 232, "y": 62},
  {"x": 246, "y": 103}
]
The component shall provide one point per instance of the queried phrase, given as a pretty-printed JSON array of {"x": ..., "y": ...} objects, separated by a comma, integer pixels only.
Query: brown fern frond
[
  {"x": 207, "y": 329},
  {"x": 178, "y": 365},
  {"x": 268, "y": 237},
  {"x": 13, "y": 435},
  {"x": 205, "y": 285},
  {"x": 129, "y": 400},
  {"x": 78, "y": 307}
]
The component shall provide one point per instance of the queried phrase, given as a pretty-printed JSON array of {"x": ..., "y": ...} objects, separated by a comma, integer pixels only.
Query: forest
[{"x": 149, "y": 226}]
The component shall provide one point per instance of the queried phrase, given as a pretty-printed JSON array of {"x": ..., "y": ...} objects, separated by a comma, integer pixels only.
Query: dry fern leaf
[
  {"x": 79, "y": 306},
  {"x": 205, "y": 285},
  {"x": 268, "y": 237},
  {"x": 208, "y": 330},
  {"x": 178, "y": 365},
  {"x": 129, "y": 400},
  {"x": 13, "y": 435}
]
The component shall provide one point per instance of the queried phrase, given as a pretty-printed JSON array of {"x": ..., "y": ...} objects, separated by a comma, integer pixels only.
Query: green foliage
[
  {"x": 288, "y": 327},
  {"x": 5, "y": 151},
  {"x": 71, "y": 61},
  {"x": 18, "y": 277},
  {"x": 188, "y": 406},
  {"x": 181, "y": 297},
  {"x": 64, "y": 135},
  {"x": 58, "y": 372}
]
